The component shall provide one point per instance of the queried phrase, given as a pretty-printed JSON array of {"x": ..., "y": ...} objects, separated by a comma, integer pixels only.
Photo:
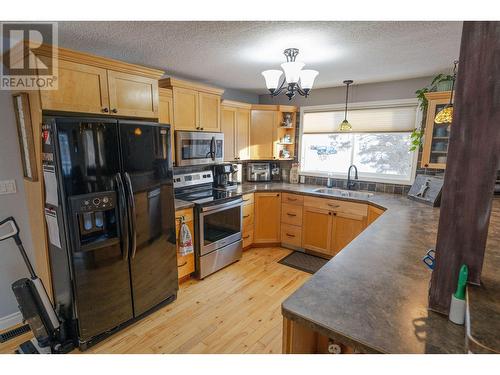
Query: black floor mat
[{"x": 304, "y": 262}]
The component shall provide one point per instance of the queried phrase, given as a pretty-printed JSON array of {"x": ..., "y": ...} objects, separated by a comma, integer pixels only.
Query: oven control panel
[{"x": 191, "y": 179}]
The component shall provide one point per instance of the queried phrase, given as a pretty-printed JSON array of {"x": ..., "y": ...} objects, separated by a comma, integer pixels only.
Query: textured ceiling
[{"x": 232, "y": 54}]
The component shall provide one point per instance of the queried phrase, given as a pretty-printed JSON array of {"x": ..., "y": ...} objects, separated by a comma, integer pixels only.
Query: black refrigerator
[{"x": 111, "y": 221}]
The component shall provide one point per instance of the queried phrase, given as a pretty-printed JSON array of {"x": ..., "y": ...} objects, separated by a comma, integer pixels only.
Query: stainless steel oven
[
  {"x": 219, "y": 235},
  {"x": 195, "y": 148}
]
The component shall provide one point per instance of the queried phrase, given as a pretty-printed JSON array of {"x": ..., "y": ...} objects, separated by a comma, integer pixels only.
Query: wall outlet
[{"x": 8, "y": 187}]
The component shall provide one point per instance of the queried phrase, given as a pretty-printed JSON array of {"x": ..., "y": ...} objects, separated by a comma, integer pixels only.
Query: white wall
[
  {"x": 11, "y": 264},
  {"x": 404, "y": 89}
]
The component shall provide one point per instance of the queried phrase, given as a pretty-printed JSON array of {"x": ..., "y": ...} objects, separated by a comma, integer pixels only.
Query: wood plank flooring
[{"x": 236, "y": 310}]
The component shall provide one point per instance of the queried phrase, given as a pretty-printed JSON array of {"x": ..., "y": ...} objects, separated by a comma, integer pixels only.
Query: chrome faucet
[{"x": 352, "y": 184}]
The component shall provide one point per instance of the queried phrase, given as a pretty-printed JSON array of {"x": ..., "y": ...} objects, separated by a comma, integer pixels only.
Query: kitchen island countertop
[{"x": 373, "y": 295}]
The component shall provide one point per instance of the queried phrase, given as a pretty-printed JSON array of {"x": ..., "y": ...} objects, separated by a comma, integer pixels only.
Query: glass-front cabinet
[{"x": 436, "y": 136}]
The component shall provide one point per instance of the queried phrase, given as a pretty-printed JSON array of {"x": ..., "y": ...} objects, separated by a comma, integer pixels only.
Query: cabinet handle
[
  {"x": 290, "y": 235},
  {"x": 247, "y": 236},
  {"x": 105, "y": 109},
  {"x": 292, "y": 199},
  {"x": 245, "y": 216},
  {"x": 182, "y": 265},
  {"x": 246, "y": 200},
  {"x": 277, "y": 195},
  {"x": 289, "y": 214},
  {"x": 114, "y": 110},
  {"x": 333, "y": 205}
]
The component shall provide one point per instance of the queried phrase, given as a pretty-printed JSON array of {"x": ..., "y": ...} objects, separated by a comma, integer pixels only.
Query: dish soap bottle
[{"x": 457, "y": 305}]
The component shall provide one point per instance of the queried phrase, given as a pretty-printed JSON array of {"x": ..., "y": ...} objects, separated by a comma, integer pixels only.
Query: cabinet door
[
  {"x": 185, "y": 109},
  {"x": 243, "y": 134},
  {"x": 267, "y": 217},
  {"x": 165, "y": 115},
  {"x": 228, "y": 127},
  {"x": 132, "y": 95},
  {"x": 81, "y": 88},
  {"x": 262, "y": 134},
  {"x": 317, "y": 229},
  {"x": 209, "y": 112},
  {"x": 345, "y": 228}
]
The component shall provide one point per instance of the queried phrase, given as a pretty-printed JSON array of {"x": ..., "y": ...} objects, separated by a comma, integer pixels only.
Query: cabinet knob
[
  {"x": 114, "y": 110},
  {"x": 426, "y": 165},
  {"x": 105, "y": 109}
]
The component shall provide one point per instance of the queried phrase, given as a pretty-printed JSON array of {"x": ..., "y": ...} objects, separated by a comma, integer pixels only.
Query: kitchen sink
[{"x": 343, "y": 193}]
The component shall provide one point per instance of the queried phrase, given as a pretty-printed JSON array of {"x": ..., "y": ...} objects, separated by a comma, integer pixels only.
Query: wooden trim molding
[
  {"x": 174, "y": 82},
  {"x": 235, "y": 104}
]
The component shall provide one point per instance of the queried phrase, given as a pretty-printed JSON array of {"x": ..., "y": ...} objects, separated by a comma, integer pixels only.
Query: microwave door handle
[
  {"x": 212, "y": 148},
  {"x": 122, "y": 209},
  {"x": 131, "y": 213}
]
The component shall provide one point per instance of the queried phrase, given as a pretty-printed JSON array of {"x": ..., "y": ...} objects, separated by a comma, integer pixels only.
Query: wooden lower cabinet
[
  {"x": 248, "y": 218},
  {"x": 317, "y": 225},
  {"x": 373, "y": 214},
  {"x": 267, "y": 218},
  {"x": 345, "y": 228},
  {"x": 185, "y": 264}
]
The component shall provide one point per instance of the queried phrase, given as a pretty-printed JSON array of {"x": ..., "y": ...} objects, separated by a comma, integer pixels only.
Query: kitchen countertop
[{"x": 373, "y": 295}]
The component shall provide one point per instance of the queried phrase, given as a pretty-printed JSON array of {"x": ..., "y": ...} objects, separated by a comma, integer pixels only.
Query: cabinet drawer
[
  {"x": 248, "y": 216},
  {"x": 248, "y": 199},
  {"x": 291, "y": 235},
  {"x": 247, "y": 237},
  {"x": 337, "y": 205},
  {"x": 293, "y": 199},
  {"x": 291, "y": 214},
  {"x": 185, "y": 265}
]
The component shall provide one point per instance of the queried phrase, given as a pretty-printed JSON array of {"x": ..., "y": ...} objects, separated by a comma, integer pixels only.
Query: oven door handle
[{"x": 223, "y": 206}]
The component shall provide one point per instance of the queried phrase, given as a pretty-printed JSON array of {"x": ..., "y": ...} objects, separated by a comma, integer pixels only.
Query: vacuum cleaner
[{"x": 34, "y": 304}]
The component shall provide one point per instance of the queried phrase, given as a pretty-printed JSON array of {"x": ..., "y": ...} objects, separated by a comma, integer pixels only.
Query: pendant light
[
  {"x": 344, "y": 125},
  {"x": 445, "y": 115}
]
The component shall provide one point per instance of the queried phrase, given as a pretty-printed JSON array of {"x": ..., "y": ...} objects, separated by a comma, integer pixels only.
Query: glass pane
[
  {"x": 327, "y": 152},
  {"x": 221, "y": 224},
  {"x": 383, "y": 154},
  {"x": 195, "y": 149}
]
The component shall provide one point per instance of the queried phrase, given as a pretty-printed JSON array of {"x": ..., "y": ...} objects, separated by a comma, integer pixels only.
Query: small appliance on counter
[
  {"x": 224, "y": 177},
  {"x": 275, "y": 172},
  {"x": 238, "y": 173},
  {"x": 258, "y": 172},
  {"x": 426, "y": 189}
]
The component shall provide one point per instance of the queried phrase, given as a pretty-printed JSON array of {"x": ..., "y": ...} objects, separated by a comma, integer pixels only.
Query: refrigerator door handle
[
  {"x": 131, "y": 215},
  {"x": 122, "y": 209}
]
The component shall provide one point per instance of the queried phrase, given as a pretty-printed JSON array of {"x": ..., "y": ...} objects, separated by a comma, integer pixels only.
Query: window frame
[{"x": 361, "y": 105}]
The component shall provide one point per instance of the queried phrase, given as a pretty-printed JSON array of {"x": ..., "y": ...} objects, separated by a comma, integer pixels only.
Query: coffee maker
[{"x": 224, "y": 177}]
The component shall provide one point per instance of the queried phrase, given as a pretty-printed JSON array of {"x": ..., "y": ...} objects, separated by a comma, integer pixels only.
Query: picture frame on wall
[{"x": 25, "y": 135}]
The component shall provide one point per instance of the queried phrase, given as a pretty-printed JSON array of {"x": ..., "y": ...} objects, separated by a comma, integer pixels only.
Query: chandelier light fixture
[
  {"x": 445, "y": 115},
  {"x": 344, "y": 125},
  {"x": 293, "y": 74}
]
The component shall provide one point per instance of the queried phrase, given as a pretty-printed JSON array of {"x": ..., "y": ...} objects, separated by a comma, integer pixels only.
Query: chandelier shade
[
  {"x": 295, "y": 81},
  {"x": 272, "y": 78}
]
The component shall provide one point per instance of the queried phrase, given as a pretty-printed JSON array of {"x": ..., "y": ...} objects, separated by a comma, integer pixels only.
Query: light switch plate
[{"x": 8, "y": 187}]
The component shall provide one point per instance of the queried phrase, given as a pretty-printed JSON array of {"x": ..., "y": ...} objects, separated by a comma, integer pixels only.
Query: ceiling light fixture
[
  {"x": 344, "y": 125},
  {"x": 293, "y": 74},
  {"x": 445, "y": 115}
]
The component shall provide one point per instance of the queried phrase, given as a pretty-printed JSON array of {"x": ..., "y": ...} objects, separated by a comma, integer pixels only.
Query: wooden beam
[{"x": 473, "y": 161}]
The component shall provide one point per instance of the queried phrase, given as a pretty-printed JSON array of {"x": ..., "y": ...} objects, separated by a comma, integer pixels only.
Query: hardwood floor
[{"x": 236, "y": 310}]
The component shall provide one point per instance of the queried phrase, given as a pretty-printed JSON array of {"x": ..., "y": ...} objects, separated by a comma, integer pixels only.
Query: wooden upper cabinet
[
  {"x": 97, "y": 85},
  {"x": 267, "y": 217},
  {"x": 317, "y": 230},
  {"x": 263, "y": 134},
  {"x": 165, "y": 115},
  {"x": 345, "y": 228},
  {"x": 196, "y": 107},
  {"x": 132, "y": 96},
  {"x": 228, "y": 127},
  {"x": 437, "y": 136},
  {"x": 185, "y": 108},
  {"x": 209, "y": 112},
  {"x": 243, "y": 134},
  {"x": 81, "y": 88}
]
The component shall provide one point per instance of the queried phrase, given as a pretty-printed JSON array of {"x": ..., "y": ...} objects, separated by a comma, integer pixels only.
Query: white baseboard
[{"x": 10, "y": 320}]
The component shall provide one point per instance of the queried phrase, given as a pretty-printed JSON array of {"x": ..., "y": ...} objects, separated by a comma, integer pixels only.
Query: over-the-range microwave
[{"x": 195, "y": 148}]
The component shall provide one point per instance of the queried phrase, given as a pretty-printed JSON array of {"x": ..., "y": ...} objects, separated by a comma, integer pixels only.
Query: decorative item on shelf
[
  {"x": 293, "y": 73},
  {"x": 287, "y": 139},
  {"x": 445, "y": 116},
  {"x": 287, "y": 120},
  {"x": 284, "y": 154},
  {"x": 344, "y": 125},
  {"x": 294, "y": 173}
]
